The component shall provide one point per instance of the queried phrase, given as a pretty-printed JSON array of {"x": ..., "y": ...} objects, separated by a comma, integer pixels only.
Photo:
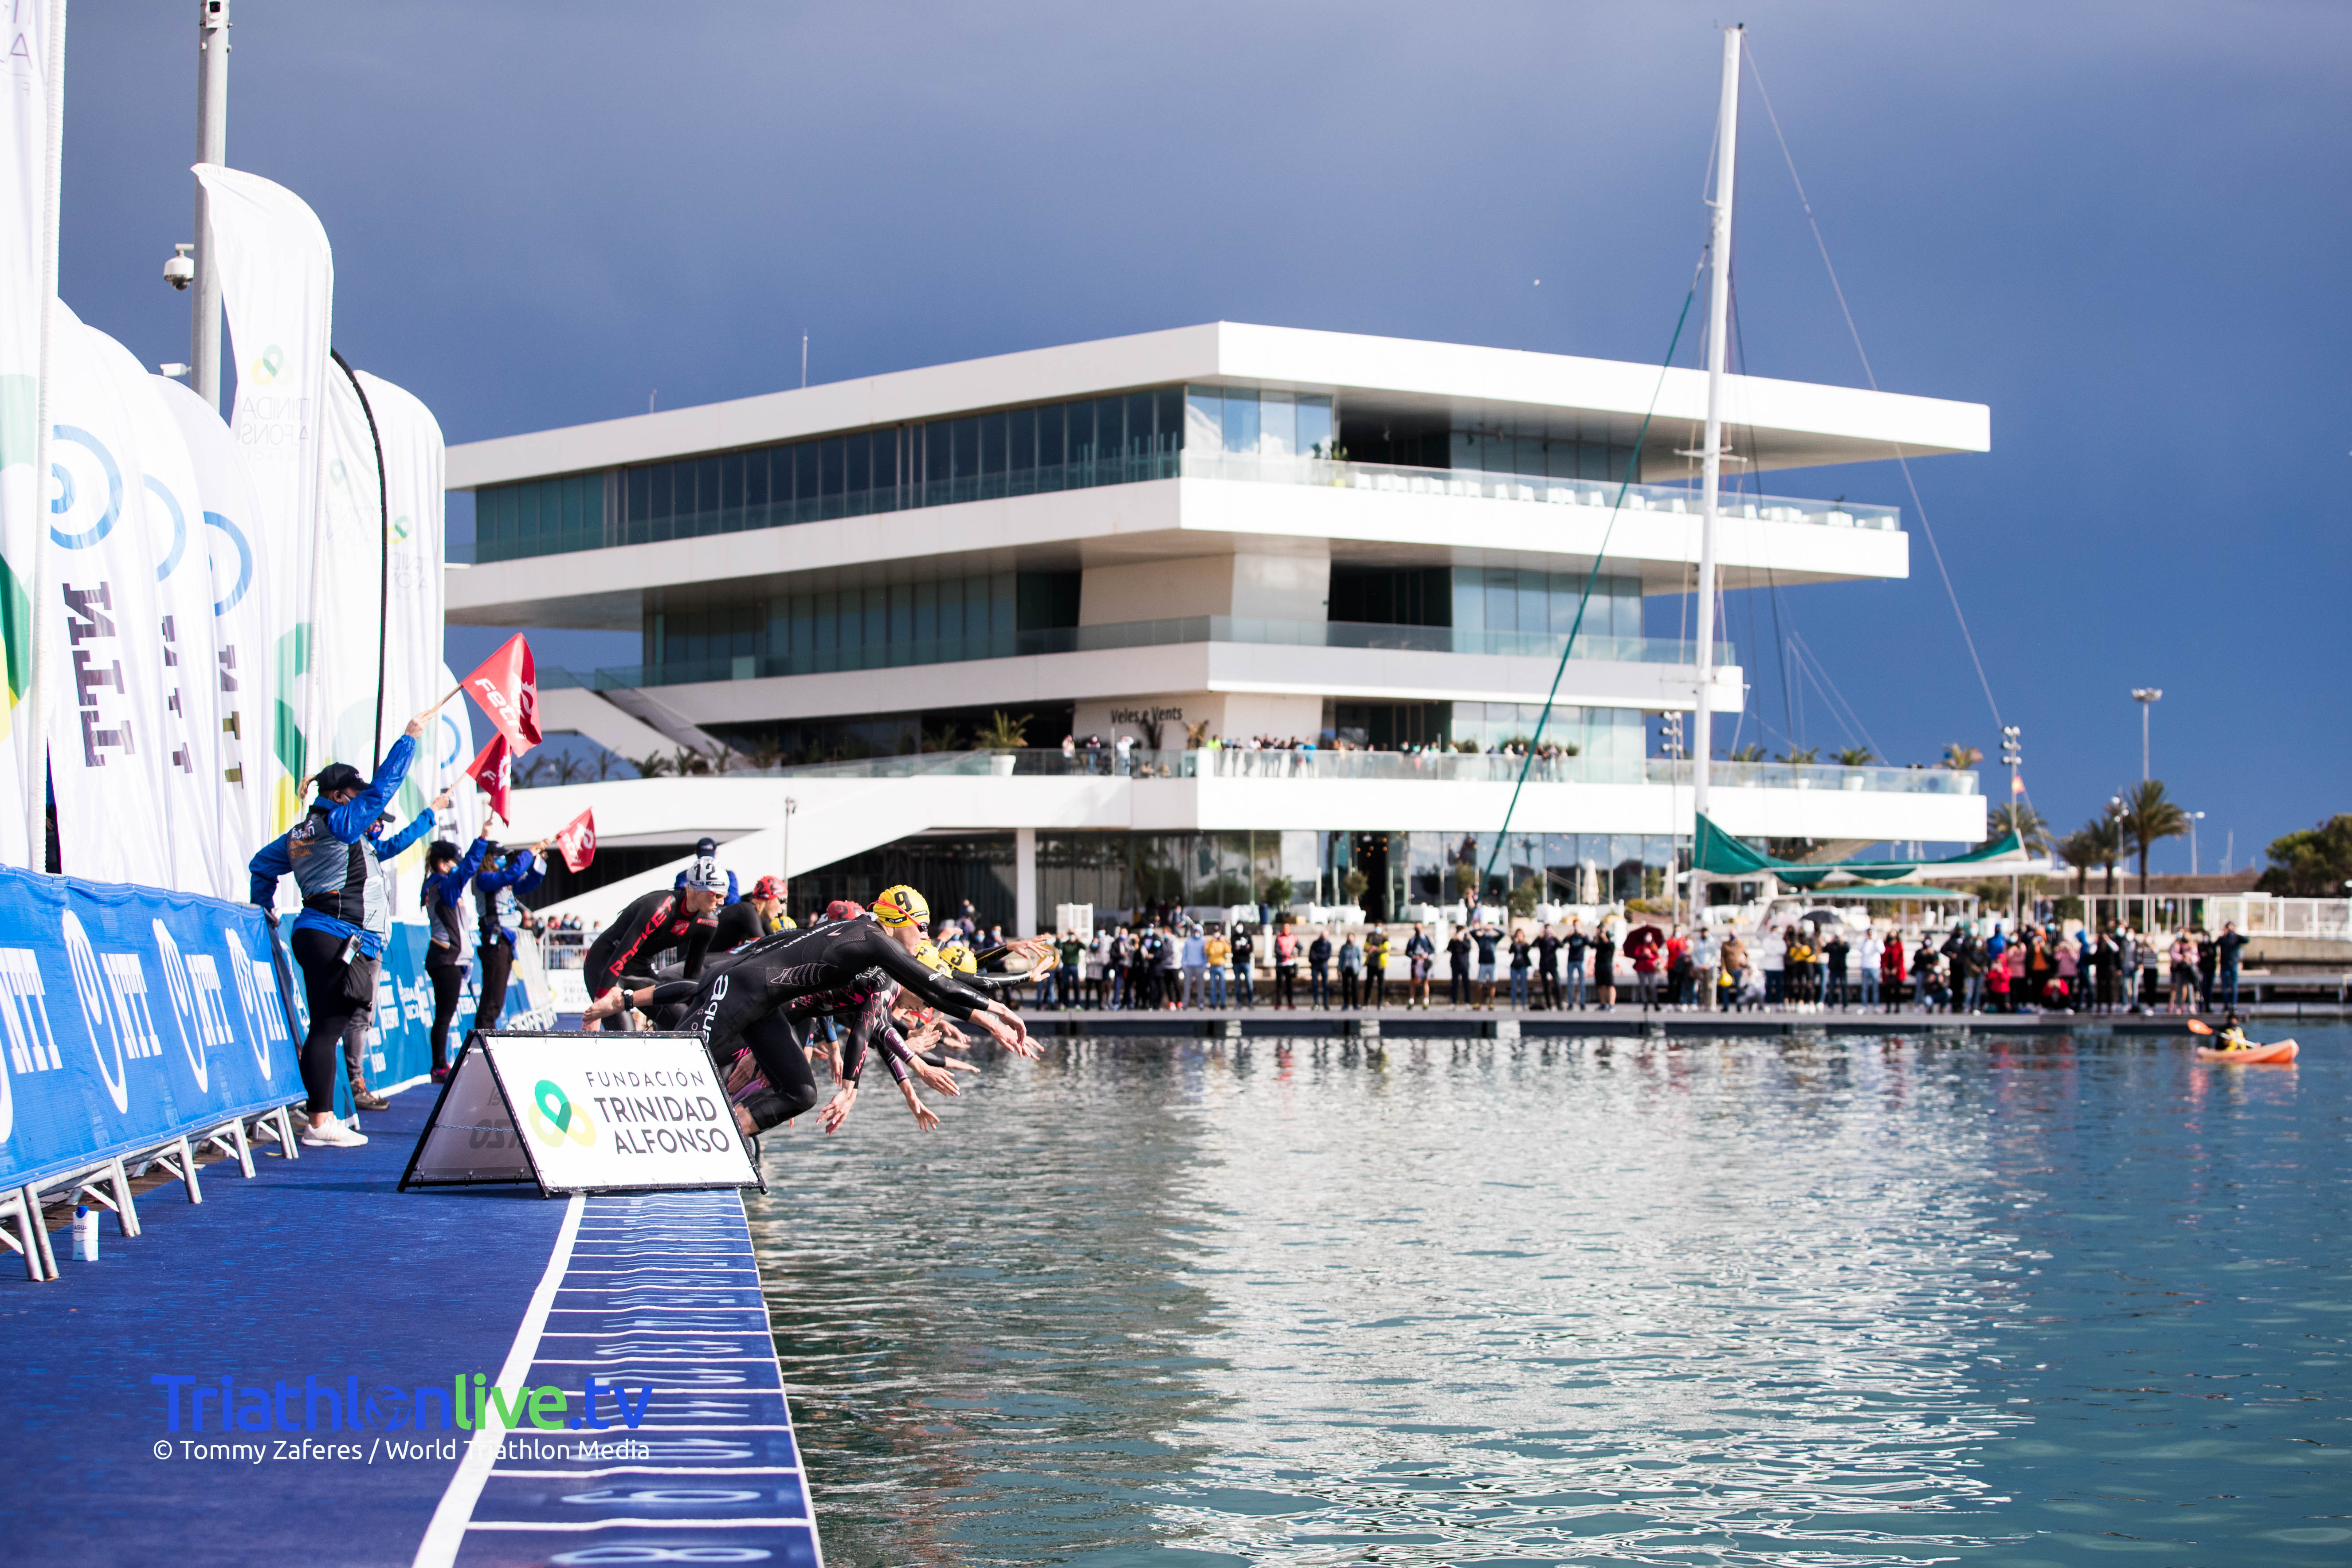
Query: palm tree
[
  {"x": 2032, "y": 832},
  {"x": 2148, "y": 816},
  {"x": 1960, "y": 758},
  {"x": 1004, "y": 734},
  {"x": 1801, "y": 755},
  {"x": 2087, "y": 847},
  {"x": 1752, "y": 753},
  {"x": 652, "y": 765},
  {"x": 567, "y": 769},
  {"x": 2107, "y": 843},
  {"x": 1856, "y": 757}
]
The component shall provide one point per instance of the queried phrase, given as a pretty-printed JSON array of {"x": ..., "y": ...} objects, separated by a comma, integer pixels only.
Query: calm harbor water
[{"x": 1692, "y": 1302}]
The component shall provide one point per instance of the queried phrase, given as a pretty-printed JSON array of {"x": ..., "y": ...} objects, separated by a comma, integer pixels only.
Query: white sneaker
[{"x": 332, "y": 1135}]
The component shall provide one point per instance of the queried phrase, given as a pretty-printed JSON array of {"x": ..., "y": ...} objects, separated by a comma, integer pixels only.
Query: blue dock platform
[{"x": 343, "y": 1320}]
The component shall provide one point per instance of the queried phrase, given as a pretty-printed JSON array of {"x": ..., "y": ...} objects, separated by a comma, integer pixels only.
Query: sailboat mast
[{"x": 1718, "y": 315}]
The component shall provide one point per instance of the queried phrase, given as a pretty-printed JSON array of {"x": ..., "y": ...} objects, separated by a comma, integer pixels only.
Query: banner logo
[
  {"x": 222, "y": 606},
  {"x": 65, "y": 502},
  {"x": 112, "y": 988},
  {"x": 553, "y": 1117},
  {"x": 265, "y": 368},
  {"x": 193, "y": 986}
]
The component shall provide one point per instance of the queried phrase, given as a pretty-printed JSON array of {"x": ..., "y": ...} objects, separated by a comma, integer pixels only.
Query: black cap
[
  {"x": 338, "y": 775},
  {"x": 705, "y": 847},
  {"x": 441, "y": 849}
]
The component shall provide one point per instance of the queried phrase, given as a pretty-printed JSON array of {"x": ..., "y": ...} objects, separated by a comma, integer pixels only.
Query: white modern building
[{"x": 1220, "y": 531}]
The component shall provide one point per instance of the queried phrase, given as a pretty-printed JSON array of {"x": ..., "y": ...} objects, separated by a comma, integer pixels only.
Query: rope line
[
  {"x": 1592, "y": 577},
  {"x": 1901, "y": 458}
]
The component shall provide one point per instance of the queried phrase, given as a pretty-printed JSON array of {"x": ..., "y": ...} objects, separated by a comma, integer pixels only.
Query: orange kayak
[{"x": 2277, "y": 1051}]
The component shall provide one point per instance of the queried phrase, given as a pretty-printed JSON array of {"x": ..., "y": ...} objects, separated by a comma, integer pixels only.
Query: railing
[
  {"x": 898, "y": 653},
  {"x": 2325, "y": 919},
  {"x": 1472, "y": 483},
  {"x": 1429, "y": 767}
]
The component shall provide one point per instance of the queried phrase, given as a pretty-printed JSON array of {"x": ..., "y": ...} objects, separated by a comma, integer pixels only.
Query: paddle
[{"x": 2199, "y": 1026}]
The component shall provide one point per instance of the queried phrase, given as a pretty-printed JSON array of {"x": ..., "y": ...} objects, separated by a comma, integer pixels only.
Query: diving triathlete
[
  {"x": 759, "y": 913},
  {"x": 751, "y": 998},
  {"x": 656, "y": 922}
]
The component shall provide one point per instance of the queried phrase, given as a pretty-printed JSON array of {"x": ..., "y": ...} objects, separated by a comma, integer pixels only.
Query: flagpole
[
  {"x": 211, "y": 147},
  {"x": 383, "y": 563},
  {"x": 1718, "y": 313},
  {"x": 36, "y": 708}
]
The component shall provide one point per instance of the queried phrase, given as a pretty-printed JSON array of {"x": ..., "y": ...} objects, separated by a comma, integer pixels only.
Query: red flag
[
  {"x": 494, "y": 770},
  {"x": 505, "y": 687},
  {"x": 577, "y": 839}
]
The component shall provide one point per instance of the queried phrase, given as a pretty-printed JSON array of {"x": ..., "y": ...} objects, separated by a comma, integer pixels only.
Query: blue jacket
[
  {"x": 521, "y": 873},
  {"x": 443, "y": 894},
  {"x": 337, "y": 870}
]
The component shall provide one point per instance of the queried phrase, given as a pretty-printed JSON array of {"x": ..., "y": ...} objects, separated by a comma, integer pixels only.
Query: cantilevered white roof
[{"x": 1774, "y": 424}]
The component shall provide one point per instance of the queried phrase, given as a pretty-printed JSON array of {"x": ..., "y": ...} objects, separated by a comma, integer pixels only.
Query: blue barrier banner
[
  {"x": 399, "y": 1047},
  {"x": 129, "y": 1017}
]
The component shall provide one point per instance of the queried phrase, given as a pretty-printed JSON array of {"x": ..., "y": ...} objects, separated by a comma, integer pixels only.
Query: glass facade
[
  {"x": 1540, "y": 456},
  {"x": 1607, "y": 734},
  {"x": 1571, "y": 867},
  {"x": 1505, "y": 599},
  {"x": 861, "y": 628},
  {"x": 1249, "y": 423},
  {"x": 1090, "y": 441},
  {"x": 544, "y": 517}
]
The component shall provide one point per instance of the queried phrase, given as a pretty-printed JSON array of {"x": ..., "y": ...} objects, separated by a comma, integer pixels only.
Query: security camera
[{"x": 180, "y": 270}]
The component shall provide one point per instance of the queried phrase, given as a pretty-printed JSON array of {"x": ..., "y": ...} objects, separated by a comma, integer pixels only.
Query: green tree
[
  {"x": 1800, "y": 755},
  {"x": 2314, "y": 863},
  {"x": 1856, "y": 757},
  {"x": 2080, "y": 849},
  {"x": 1279, "y": 891},
  {"x": 1960, "y": 758},
  {"x": 1355, "y": 884},
  {"x": 1524, "y": 898},
  {"x": 2022, "y": 819},
  {"x": 652, "y": 765},
  {"x": 1466, "y": 880},
  {"x": 1752, "y": 753},
  {"x": 2148, "y": 816},
  {"x": 1004, "y": 734}
]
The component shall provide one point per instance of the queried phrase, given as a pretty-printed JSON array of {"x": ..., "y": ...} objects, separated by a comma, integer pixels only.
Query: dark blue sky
[{"x": 2122, "y": 226}]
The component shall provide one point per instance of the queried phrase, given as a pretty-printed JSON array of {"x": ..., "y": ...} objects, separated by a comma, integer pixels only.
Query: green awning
[
  {"x": 1901, "y": 890},
  {"x": 1719, "y": 854}
]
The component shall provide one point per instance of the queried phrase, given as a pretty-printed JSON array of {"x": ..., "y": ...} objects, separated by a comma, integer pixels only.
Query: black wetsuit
[
  {"x": 738, "y": 925},
  {"x": 653, "y": 923},
  {"x": 752, "y": 997}
]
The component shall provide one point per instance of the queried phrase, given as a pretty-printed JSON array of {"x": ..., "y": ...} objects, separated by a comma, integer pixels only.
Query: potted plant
[{"x": 1001, "y": 737}]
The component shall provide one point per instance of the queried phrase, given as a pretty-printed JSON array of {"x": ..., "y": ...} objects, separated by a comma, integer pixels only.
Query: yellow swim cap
[
  {"x": 958, "y": 959},
  {"x": 928, "y": 956},
  {"x": 901, "y": 905}
]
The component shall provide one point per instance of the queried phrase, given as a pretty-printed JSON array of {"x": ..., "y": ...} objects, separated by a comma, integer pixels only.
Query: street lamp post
[
  {"x": 2194, "y": 818},
  {"x": 2147, "y": 697}
]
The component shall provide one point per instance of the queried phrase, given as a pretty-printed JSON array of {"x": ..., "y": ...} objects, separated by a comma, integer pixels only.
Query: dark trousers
[
  {"x": 1285, "y": 986},
  {"x": 448, "y": 979},
  {"x": 338, "y": 994},
  {"x": 1549, "y": 980},
  {"x": 1318, "y": 987},
  {"x": 1244, "y": 992},
  {"x": 497, "y": 959},
  {"x": 1458, "y": 985},
  {"x": 1348, "y": 986}
]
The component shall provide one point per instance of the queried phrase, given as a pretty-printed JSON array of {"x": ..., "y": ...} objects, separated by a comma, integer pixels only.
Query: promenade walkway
[{"x": 342, "y": 1314}]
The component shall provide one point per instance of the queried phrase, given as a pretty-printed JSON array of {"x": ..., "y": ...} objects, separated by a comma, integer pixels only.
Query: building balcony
[
  {"x": 1602, "y": 494},
  {"x": 910, "y": 652},
  {"x": 1409, "y": 767}
]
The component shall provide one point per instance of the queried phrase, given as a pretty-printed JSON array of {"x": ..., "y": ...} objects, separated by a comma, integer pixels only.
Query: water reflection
[{"x": 1725, "y": 1302}]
